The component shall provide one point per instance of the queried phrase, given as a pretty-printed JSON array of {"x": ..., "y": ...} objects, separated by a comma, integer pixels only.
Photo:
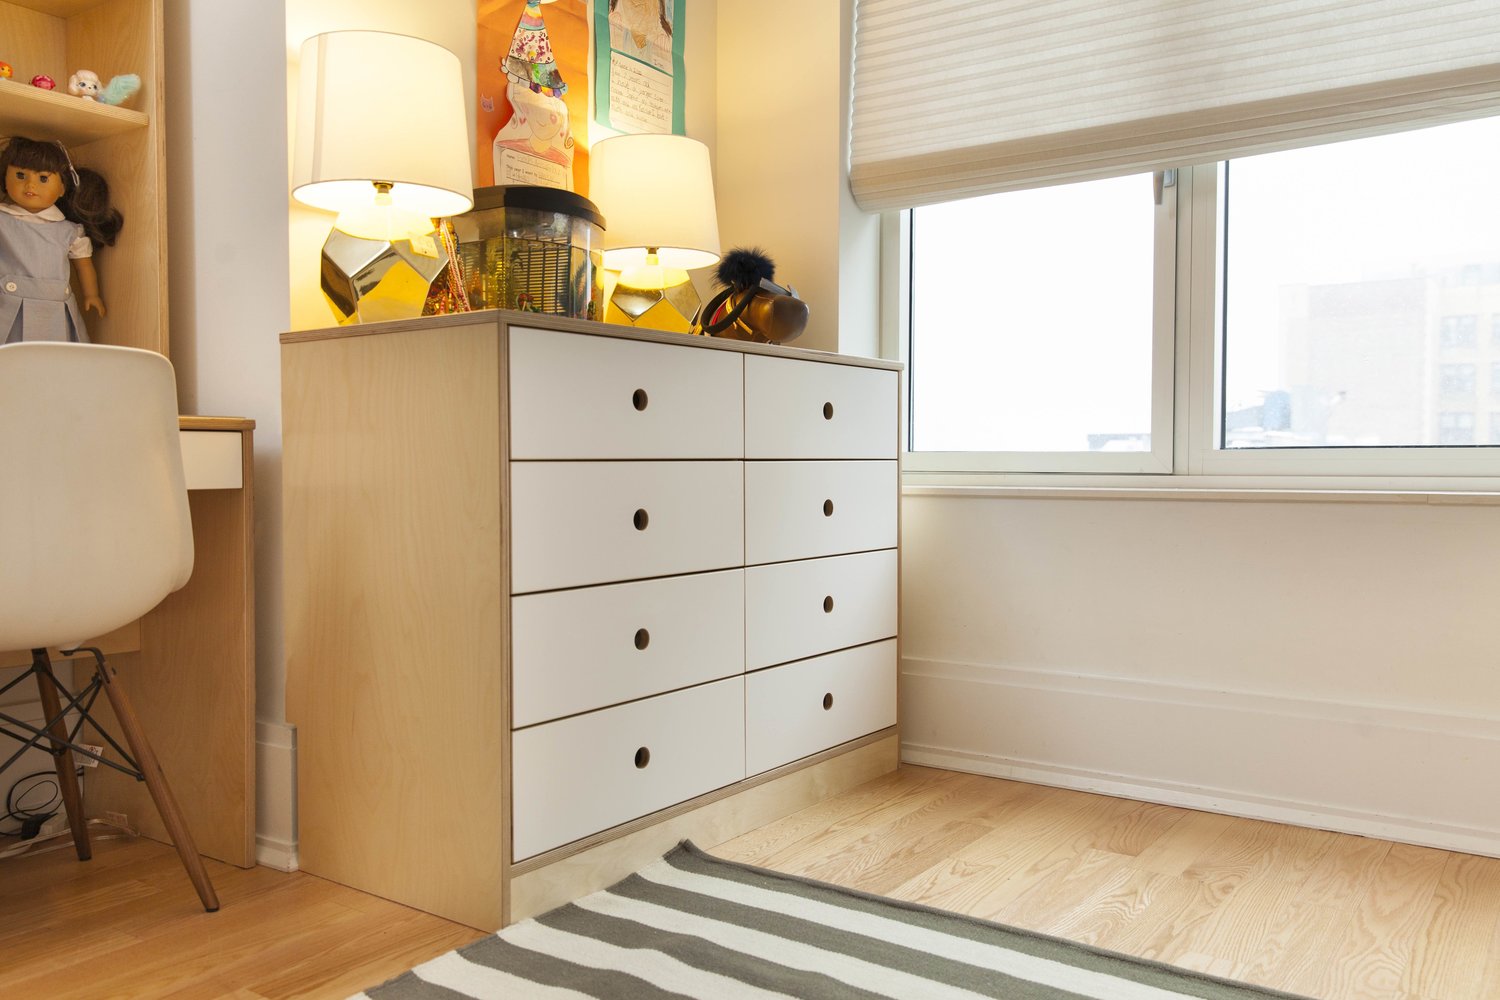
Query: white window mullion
[{"x": 1202, "y": 306}]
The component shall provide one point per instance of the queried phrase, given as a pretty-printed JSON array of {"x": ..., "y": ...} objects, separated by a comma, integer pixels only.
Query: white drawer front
[
  {"x": 578, "y": 650},
  {"x": 798, "y": 510},
  {"x": 581, "y": 775},
  {"x": 809, "y": 409},
  {"x": 799, "y": 609},
  {"x": 785, "y": 714},
  {"x": 212, "y": 460},
  {"x": 579, "y": 396},
  {"x": 577, "y": 523}
]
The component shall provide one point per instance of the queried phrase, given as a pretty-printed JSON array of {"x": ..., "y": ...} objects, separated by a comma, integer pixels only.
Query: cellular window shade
[{"x": 958, "y": 98}]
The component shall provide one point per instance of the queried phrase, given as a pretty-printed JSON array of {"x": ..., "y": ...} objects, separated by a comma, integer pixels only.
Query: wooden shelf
[
  {"x": 49, "y": 114},
  {"x": 57, "y": 8}
]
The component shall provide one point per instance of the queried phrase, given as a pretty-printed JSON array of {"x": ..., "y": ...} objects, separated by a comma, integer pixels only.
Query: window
[
  {"x": 1038, "y": 326},
  {"x": 1309, "y": 312},
  {"x": 1459, "y": 331},
  {"x": 1455, "y": 428},
  {"x": 1456, "y": 380}
]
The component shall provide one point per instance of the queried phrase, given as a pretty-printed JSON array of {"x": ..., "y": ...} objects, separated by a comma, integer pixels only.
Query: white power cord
[{"x": 32, "y": 846}]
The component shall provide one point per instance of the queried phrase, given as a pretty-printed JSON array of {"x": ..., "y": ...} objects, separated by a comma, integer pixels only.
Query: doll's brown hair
[{"x": 85, "y": 198}]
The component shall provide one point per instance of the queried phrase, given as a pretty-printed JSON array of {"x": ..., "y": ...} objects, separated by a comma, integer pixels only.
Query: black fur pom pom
[{"x": 744, "y": 267}]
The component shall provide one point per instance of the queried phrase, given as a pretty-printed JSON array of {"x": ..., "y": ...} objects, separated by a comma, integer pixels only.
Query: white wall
[
  {"x": 226, "y": 162},
  {"x": 1323, "y": 663},
  {"x": 782, "y": 174}
]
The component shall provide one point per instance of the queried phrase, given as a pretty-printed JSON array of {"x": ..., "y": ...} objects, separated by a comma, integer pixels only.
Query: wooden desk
[{"x": 189, "y": 665}]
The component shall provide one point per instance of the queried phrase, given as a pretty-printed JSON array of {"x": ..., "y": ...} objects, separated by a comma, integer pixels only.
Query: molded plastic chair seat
[{"x": 95, "y": 531}]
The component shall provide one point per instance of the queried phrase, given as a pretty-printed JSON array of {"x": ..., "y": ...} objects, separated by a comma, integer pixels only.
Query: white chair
[{"x": 94, "y": 532}]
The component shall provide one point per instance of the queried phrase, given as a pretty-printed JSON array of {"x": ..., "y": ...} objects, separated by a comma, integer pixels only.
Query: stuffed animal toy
[
  {"x": 120, "y": 89},
  {"x": 84, "y": 84}
]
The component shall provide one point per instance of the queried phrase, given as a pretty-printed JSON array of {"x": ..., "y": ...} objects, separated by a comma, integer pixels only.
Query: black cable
[{"x": 21, "y": 813}]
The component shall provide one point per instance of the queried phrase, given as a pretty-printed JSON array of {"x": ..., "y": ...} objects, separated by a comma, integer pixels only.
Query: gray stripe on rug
[
  {"x": 556, "y": 970},
  {"x": 695, "y": 926},
  {"x": 688, "y": 857},
  {"x": 755, "y": 970},
  {"x": 893, "y": 958},
  {"x": 547, "y": 970},
  {"x": 408, "y": 986}
]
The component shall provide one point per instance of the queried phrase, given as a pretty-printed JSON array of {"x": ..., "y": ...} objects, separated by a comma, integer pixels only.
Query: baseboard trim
[
  {"x": 281, "y": 855},
  {"x": 1409, "y": 776},
  {"x": 276, "y": 795},
  {"x": 1466, "y": 841}
]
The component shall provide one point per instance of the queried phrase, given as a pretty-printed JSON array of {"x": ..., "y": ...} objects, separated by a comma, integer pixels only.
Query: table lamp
[
  {"x": 656, "y": 193},
  {"x": 382, "y": 139}
]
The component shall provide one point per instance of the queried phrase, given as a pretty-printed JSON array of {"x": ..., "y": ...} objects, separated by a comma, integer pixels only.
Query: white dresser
[{"x": 638, "y": 575}]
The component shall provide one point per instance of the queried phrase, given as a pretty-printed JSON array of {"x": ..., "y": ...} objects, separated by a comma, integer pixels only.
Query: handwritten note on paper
[
  {"x": 512, "y": 167},
  {"x": 638, "y": 65},
  {"x": 640, "y": 97}
]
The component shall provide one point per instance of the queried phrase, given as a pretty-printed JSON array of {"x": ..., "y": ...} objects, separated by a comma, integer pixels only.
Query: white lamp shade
[
  {"x": 374, "y": 106},
  {"x": 655, "y": 191}
]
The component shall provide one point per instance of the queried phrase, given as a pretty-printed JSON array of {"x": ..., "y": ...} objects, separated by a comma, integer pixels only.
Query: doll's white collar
[{"x": 49, "y": 214}]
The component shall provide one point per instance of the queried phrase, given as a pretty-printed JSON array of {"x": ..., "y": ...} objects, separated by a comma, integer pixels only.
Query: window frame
[
  {"x": 1156, "y": 461},
  {"x": 1206, "y": 330},
  {"x": 1187, "y": 388}
]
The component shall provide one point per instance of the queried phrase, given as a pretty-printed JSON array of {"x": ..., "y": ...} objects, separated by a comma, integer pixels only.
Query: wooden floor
[{"x": 1322, "y": 914}]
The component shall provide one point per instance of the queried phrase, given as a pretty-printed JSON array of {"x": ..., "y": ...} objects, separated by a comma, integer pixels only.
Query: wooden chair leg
[
  {"x": 62, "y": 757},
  {"x": 156, "y": 784}
]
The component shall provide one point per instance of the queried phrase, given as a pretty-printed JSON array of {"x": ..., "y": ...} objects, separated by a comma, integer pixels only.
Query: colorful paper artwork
[
  {"x": 638, "y": 65},
  {"x": 533, "y": 93}
]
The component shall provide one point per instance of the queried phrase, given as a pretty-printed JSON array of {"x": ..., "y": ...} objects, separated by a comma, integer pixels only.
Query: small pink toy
[{"x": 44, "y": 81}]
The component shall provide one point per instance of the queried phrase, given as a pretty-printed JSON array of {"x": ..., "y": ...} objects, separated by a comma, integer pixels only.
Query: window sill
[{"x": 1205, "y": 489}]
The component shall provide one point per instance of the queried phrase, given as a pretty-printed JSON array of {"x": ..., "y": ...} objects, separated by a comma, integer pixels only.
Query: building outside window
[
  {"x": 1460, "y": 331},
  {"x": 1455, "y": 427},
  {"x": 1456, "y": 380}
]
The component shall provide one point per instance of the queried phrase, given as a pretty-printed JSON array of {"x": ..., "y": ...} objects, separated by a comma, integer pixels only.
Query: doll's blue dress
[{"x": 36, "y": 298}]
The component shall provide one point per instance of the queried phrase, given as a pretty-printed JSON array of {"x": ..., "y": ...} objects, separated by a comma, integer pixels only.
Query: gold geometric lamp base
[
  {"x": 366, "y": 281},
  {"x": 669, "y": 309}
]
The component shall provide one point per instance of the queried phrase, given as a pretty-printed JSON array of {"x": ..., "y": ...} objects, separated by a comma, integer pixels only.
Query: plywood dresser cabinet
[{"x": 560, "y": 594}]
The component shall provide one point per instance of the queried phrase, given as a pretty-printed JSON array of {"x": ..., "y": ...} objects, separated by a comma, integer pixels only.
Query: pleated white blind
[{"x": 958, "y": 98}]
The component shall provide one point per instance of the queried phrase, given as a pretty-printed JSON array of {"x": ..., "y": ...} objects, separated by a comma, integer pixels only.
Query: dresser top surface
[{"x": 500, "y": 320}]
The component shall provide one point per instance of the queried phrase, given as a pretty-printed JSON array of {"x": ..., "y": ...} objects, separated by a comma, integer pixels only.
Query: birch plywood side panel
[
  {"x": 394, "y": 614},
  {"x": 35, "y": 42},
  {"x": 125, "y": 36},
  {"x": 193, "y": 687}
]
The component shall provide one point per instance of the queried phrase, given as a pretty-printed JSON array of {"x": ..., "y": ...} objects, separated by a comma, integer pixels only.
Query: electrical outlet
[
  {"x": 83, "y": 760},
  {"x": 117, "y": 819}
]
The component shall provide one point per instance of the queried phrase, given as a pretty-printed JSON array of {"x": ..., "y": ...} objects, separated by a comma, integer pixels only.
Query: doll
[{"x": 52, "y": 213}]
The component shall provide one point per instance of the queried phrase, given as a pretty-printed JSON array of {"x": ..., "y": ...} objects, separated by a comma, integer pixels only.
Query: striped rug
[{"x": 691, "y": 925}]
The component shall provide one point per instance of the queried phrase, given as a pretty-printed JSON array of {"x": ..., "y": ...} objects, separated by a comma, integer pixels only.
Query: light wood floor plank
[
  {"x": 1325, "y": 915},
  {"x": 1183, "y": 843},
  {"x": 858, "y": 807},
  {"x": 974, "y": 879},
  {"x": 1451, "y": 949},
  {"x": 1077, "y": 892}
]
